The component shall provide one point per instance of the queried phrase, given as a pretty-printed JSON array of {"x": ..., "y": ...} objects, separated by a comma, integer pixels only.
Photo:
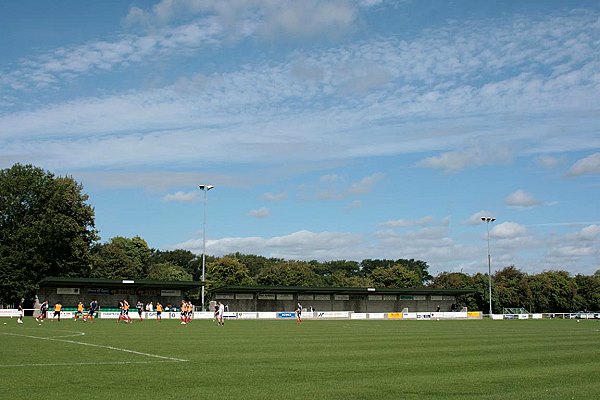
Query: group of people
[
  {"x": 124, "y": 312},
  {"x": 92, "y": 311},
  {"x": 43, "y": 309},
  {"x": 187, "y": 312},
  {"x": 140, "y": 307}
]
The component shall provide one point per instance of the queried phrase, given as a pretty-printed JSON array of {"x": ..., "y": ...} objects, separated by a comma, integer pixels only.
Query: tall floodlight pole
[
  {"x": 487, "y": 221},
  {"x": 205, "y": 189}
]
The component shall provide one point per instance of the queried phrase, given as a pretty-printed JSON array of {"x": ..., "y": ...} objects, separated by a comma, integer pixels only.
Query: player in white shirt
[
  {"x": 220, "y": 312},
  {"x": 299, "y": 314}
]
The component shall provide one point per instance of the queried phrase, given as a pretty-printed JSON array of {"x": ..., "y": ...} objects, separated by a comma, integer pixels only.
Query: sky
[{"x": 330, "y": 130}]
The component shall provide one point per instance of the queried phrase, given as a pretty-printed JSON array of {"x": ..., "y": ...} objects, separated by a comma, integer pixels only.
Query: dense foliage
[
  {"x": 47, "y": 229},
  {"x": 548, "y": 291}
]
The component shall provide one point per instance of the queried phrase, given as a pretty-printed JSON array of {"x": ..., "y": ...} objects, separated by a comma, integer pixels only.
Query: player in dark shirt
[
  {"x": 43, "y": 311},
  {"x": 93, "y": 309},
  {"x": 140, "y": 309}
]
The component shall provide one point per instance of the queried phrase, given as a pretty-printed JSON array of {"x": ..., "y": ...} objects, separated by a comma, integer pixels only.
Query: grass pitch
[{"x": 541, "y": 359}]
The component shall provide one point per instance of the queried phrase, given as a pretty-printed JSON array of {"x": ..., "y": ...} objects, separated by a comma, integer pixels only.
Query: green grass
[{"x": 547, "y": 359}]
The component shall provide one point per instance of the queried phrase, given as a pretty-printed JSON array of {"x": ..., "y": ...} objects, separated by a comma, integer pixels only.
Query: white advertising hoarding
[
  {"x": 69, "y": 290},
  {"x": 170, "y": 292}
]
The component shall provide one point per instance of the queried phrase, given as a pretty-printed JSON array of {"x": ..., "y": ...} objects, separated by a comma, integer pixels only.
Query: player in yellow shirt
[
  {"x": 159, "y": 309},
  {"x": 57, "y": 308},
  {"x": 79, "y": 312}
]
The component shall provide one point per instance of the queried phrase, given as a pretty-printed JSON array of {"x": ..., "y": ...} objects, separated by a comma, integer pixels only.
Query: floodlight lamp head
[{"x": 205, "y": 187}]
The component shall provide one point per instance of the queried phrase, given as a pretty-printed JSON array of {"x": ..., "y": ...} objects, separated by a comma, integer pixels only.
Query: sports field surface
[{"x": 481, "y": 359}]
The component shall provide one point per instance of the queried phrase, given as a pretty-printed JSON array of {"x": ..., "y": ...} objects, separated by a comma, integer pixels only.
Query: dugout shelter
[
  {"x": 360, "y": 300},
  {"x": 108, "y": 292}
]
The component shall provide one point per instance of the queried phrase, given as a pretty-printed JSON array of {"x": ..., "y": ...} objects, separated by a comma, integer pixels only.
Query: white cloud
[
  {"x": 589, "y": 233},
  {"x": 454, "y": 161},
  {"x": 329, "y": 178},
  {"x": 508, "y": 230},
  {"x": 273, "y": 19},
  {"x": 183, "y": 197},
  {"x": 432, "y": 244},
  {"x": 331, "y": 191},
  {"x": 370, "y": 3},
  {"x": 67, "y": 63},
  {"x": 274, "y": 197},
  {"x": 548, "y": 161},
  {"x": 521, "y": 199},
  {"x": 403, "y": 223},
  {"x": 354, "y": 205},
  {"x": 579, "y": 247},
  {"x": 308, "y": 18},
  {"x": 475, "y": 219},
  {"x": 329, "y": 194},
  {"x": 587, "y": 165},
  {"x": 569, "y": 252},
  {"x": 262, "y": 212},
  {"x": 511, "y": 244},
  {"x": 432, "y": 100},
  {"x": 366, "y": 184},
  {"x": 461, "y": 95},
  {"x": 301, "y": 245},
  {"x": 154, "y": 181}
]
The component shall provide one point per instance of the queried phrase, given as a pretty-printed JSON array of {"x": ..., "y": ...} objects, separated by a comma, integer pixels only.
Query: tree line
[{"x": 47, "y": 229}]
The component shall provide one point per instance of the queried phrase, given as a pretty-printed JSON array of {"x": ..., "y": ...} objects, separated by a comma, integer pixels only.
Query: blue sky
[{"x": 330, "y": 129}]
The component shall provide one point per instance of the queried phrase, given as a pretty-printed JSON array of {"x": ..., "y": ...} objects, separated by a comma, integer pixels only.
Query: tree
[
  {"x": 418, "y": 266},
  {"x": 457, "y": 280},
  {"x": 168, "y": 271},
  {"x": 396, "y": 276},
  {"x": 588, "y": 292},
  {"x": 122, "y": 258},
  {"x": 367, "y": 266},
  {"x": 289, "y": 273},
  {"x": 182, "y": 258},
  {"x": 421, "y": 268},
  {"x": 255, "y": 263},
  {"x": 333, "y": 270},
  {"x": 343, "y": 279},
  {"x": 482, "y": 301},
  {"x": 512, "y": 289},
  {"x": 227, "y": 271},
  {"x": 46, "y": 229},
  {"x": 553, "y": 291}
]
